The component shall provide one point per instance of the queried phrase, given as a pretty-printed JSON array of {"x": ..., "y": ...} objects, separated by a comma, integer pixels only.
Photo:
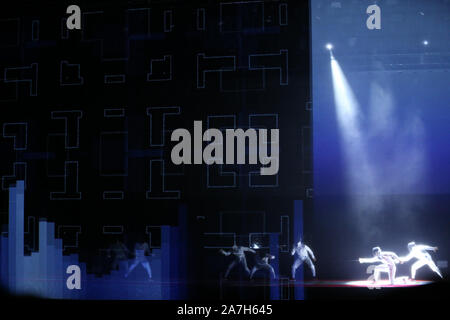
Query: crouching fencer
[
  {"x": 238, "y": 253},
  {"x": 263, "y": 264},
  {"x": 387, "y": 261},
  {"x": 303, "y": 255},
  {"x": 419, "y": 251},
  {"x": 141, "y": 250}
]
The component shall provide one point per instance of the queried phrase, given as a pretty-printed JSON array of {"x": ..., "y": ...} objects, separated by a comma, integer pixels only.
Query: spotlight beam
[{"x": 361, "y": 175}]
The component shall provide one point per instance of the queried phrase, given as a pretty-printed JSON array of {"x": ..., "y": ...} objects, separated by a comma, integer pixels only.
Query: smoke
[
  {"x": 386, "y": 157},
  {"x": 396, "y": 142}
]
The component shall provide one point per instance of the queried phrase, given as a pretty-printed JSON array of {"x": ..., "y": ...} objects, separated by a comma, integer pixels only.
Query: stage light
[
  {"x": 329, "y": 46},
  {"x": 425, "y": 42}
]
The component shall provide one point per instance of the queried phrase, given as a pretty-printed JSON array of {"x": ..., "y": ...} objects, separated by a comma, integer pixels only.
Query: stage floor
[{"x": 399, "y": 282}]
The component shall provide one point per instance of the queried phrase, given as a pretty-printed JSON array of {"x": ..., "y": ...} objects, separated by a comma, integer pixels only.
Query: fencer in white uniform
[
  {"x": 303, "y": 255},
  {"x": 387, "y": 261},
  {"x": 419, "y": 251}
]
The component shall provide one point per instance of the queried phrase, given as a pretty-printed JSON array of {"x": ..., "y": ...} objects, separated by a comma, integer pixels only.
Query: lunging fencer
[
  {"x": 264, "y": 265},
  {"x": 387, "y": 261},
  {"x": 141, "y": 250},
  {"x": 419, "y": 251},
  {"x": 238, "y": 253},
  {"x": 303, "y": 255}
]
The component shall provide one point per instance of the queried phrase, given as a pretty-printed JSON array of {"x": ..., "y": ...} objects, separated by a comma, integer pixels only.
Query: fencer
[
  {"x": 238, "y": 253},
  {"x": 264, "y": 264},
  {"x": 303, "y": 255},
  {"x": 419, "y": 252},
  {"x": 140, "y": 251},
  {"x": 387, "y": 261},
  {"x": 119, "y": 253}
]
